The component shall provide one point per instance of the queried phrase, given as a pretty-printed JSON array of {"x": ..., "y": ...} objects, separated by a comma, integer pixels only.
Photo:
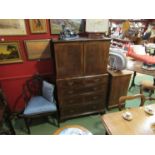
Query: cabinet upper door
[
  {"x": 96, "y": 57},
  {"x": 69, "y": 59}
]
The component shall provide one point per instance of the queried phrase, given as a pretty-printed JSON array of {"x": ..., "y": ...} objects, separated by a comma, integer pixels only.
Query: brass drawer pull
[
  {"x": 96, "y": 80},
  {"x": 70, "y": 92},
  {"x": 70, "y": 83},
  {"x": 71, "y": 101},
  {"x": 94, "y": 88},
  {"x": 94, "y": 98},
  {"x": 72, "y": 111}
]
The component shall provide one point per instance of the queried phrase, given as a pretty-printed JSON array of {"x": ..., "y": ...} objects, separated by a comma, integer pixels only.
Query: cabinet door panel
[
  {"x": 69, "y": 59},
  {"x": 96, "y": 57}
]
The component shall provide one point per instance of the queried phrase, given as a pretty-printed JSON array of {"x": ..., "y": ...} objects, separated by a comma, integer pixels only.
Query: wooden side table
[{"x": 118, "y": 86}]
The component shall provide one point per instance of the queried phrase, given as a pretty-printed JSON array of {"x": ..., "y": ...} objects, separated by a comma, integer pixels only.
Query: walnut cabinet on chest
[{"x": 81, "y": 76}]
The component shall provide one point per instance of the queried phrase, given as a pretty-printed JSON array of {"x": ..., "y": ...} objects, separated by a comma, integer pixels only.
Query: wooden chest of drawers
[
  {"x": 81, "y": 76},
  {"x": 82, "y": 96}
]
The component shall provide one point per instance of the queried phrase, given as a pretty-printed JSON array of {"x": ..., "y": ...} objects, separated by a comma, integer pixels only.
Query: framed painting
[
  {"x": 38, "y": 25},
  {"x": 38, "y": 49},
  {"x": 97, "y": 25},
  {"x": 10, "y": 53},
  {"x": 75, "y": 24},
  {"x": 11, "y": 27}
]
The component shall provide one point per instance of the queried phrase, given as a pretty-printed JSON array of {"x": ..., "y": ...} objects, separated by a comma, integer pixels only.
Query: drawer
[
  {"x": 95, "y": 88},
  {"x": 97, "y": 80},
  {"x": 71, "y": 100},
  {"x": 72, "y": 83},
  {"x": 95, "y": 107},
  {"x": 95, "y": 98},
  {"x": 66, "y": 111},
  {"x": 70, "y": 92},
  {"x": 79, "y": 110}
]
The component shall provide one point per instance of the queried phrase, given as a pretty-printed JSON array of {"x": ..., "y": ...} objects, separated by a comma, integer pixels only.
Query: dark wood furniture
[
  {"x": 141, "y": 124},
  {"x": 81, "y": 76},
  {"x": 118, "y": 86},
  {"x": 122, "y": 100}
]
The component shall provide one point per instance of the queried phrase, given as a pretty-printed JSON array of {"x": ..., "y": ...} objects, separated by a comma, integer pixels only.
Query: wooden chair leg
[
  {"x": 27, "y": 125},
  {"x": 12, "y": 131}
]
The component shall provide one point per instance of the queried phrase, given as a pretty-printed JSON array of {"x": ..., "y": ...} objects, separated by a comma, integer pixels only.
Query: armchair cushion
[
  {"x": 38, "y": 105},
  {"x": 47, "y": 91}
]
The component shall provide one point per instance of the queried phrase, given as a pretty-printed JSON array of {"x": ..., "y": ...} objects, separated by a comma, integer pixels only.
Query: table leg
[
  {"x": 133, "y": 80},
  {"x": 154, "y": 81}
]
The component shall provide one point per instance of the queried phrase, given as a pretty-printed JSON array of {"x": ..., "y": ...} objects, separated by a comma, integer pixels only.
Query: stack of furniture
[{"x": 81, "y": 76}]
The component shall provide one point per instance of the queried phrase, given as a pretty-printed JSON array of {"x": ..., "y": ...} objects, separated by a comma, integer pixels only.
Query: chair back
[
  {"x": 32, "y": 87},
  {"x": 122, "y": 100}
]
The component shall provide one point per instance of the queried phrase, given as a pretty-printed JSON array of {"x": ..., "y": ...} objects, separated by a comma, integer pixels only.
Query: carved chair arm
[{"x": 122, "y": 100}]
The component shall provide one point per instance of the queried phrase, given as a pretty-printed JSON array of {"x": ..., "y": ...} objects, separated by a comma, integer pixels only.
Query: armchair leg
[
  {"x": 27, "y": 125},
  {"x": 12, "y": 131}
]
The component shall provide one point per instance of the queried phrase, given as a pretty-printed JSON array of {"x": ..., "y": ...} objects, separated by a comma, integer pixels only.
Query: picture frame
[
  {"x": 97, "y": 25},
  {"x": 38, "y": 25},
  {"x": 76, "y": 24},
  {"x": 10, "y": 52},
  {"x": 38, "y": 49},
  {"x": 10, "y": 27}
]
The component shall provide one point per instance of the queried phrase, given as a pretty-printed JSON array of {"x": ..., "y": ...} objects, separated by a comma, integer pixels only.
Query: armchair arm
[{"x": 122, "y": 100}]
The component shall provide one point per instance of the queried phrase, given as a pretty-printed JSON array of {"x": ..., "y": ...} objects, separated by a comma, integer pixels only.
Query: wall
[{"x": 13, "y": 76}]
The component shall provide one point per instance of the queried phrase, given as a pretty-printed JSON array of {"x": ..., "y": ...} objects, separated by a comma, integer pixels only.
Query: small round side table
[{"x": 72, "y": 130}]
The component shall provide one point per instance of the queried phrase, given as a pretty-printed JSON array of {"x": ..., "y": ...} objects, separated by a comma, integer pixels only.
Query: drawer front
[
  {"x": 95, "y": 98},
  {"x": 96, "y": 80},
  {"x": 70, "y": 92},
  {"x": 77, "y": 110},
  {"x": 72, "y": 83},
  {"x": 69, "y": 111},
  {"x": 99, "y": 106},
  {"x": 72, "y": 100},
  {"x": 95, "y": 88}
]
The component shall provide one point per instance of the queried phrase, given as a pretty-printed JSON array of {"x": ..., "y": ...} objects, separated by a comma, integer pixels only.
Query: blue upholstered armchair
[{"x": 39, "y": 100}]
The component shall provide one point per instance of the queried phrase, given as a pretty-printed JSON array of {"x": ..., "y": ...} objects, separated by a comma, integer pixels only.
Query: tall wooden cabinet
[
  {"x": 81, "y": 76},
  {"x": 118, "y": 86}
]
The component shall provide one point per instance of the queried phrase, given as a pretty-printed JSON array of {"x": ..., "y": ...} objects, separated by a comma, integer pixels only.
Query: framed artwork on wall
[
  {"x": 76, "y": 24},
  {"x": 97, "y": 25},
  {"x": 10, "y": 53},
  {"x": 38, "y": 49},
  {"x": 12, "y": 27},
  {"x": 38, "y": 25}
]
